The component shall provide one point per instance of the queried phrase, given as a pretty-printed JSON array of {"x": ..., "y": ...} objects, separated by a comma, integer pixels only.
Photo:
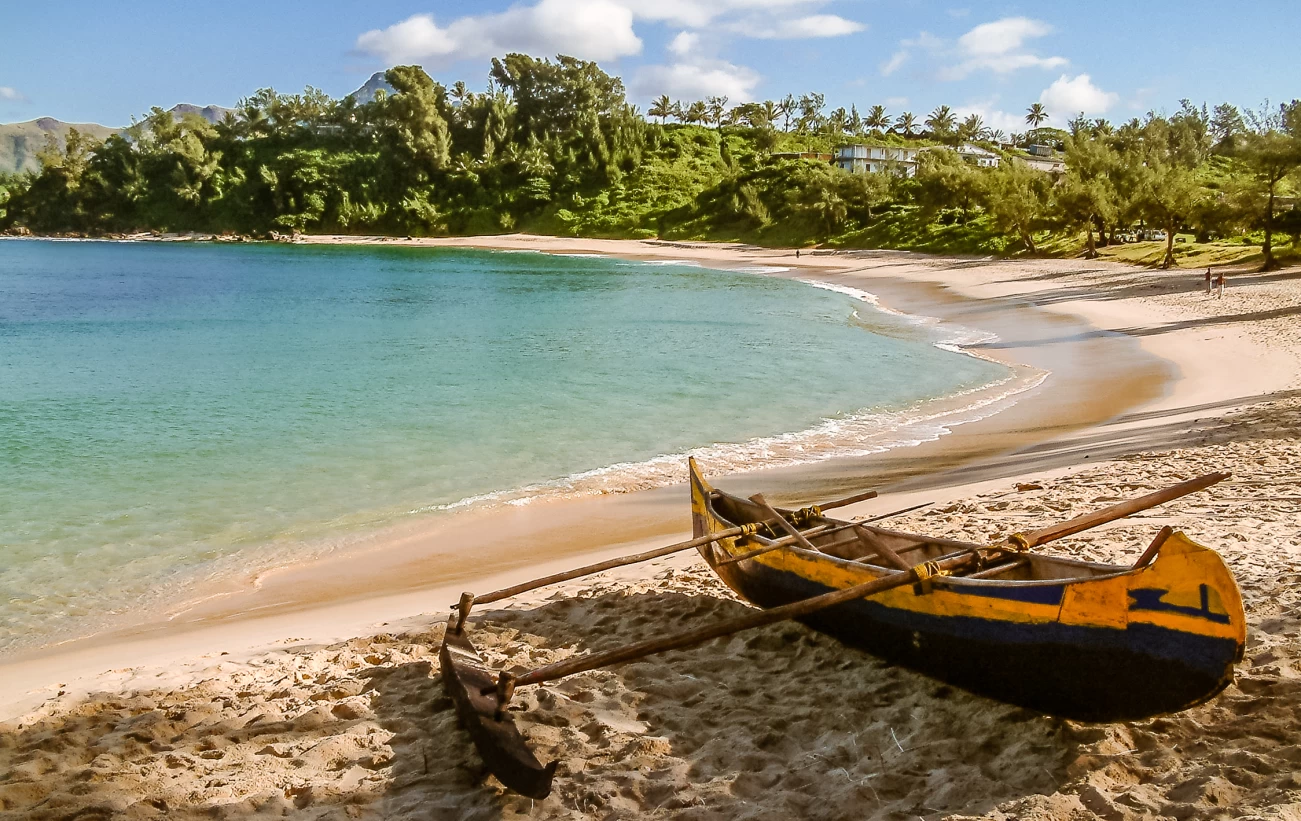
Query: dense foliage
[{"x": 554, "y": 147}]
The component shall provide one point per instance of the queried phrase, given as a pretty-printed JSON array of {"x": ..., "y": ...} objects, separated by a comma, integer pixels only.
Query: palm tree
[
  {"x": 811, "y": 105},
  {"x": 1036, "y": 115},
  {"x": 662, "y": 107},
  {"x": 972, "y": 128},
  {"x": 771, "y": 111},
  {"x": 877, "y": 119},
  {"x": 695, "y": 113},
  {"x": 714, "y": 109},
  {"x": 941, "y": 121},
  {"x": 997, "y": 136},
  {"x": 786, "y": 108},
  {"x": 855, "y": 122},
  {"x": 907, "y": 123},
  {"x": 837, "y": 121}
]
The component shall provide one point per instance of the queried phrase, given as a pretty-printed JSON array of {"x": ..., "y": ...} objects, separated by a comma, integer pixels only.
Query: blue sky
[{"x": 101, "y": 62}]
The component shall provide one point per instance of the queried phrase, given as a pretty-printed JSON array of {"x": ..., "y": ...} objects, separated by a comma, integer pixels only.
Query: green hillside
[{"x": 21, "y": 142}]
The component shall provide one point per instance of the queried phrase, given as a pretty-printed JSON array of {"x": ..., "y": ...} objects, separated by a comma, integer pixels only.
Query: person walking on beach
[
  {"x": 1219, "y": 286},
  {"x": 1208, "y": 280}
]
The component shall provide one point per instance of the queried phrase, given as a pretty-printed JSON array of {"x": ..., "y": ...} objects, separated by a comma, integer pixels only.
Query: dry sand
[{"x": 781, "y": 722}]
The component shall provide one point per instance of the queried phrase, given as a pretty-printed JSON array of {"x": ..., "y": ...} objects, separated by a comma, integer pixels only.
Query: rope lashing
[
  {"x": 1019, "y": 542},
  {"x": 924, "y": 572},
  {"x": 805, "y": 515},
  {"x": 748, "y": 529}
]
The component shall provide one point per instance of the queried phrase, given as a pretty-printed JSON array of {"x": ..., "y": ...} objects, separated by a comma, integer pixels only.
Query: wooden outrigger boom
[{"x": 878, "y": 569}]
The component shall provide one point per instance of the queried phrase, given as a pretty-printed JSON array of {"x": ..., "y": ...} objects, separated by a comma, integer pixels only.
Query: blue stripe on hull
[{"x": 1085, "y": 673}]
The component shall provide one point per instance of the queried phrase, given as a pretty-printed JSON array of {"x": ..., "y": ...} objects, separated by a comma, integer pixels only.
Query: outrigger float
[{"x": 1078, "y": 640}]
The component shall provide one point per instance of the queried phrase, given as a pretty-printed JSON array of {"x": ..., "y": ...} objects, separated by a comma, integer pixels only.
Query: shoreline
[
  {"x": 337, "y": 712},
  {"x": 404, "y": 562}
]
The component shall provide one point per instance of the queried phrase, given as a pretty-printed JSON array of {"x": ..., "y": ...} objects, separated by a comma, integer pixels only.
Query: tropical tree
[
  {"x": 941, "y": 122},
  {"x": 810, "y": 108},
  {"x": 770, "y": 111},
  {"x": 786, "y": 108},
  {"x": 877, "y": 119},
  {"x": 1169, "y": 199},
  {"x": 1087, "y": 197},
  {"x": 1018, "y": 201},
  {"x": 944, "y": 180},
  {"x": 837, "y": 121},
  {"x": 1266, "y": 155},
  {"x": 1226, "y": 126},
  {"x": 972, "y": 128},
  {"x": 714, "y": 110},
  {"x": 906, "y": 123},
  {"x": 662, "y": 107},
  {"x": 1036, "y": 115},
  {"x": 1079, "y": 125},
  {"x": 695, "y": 113}
]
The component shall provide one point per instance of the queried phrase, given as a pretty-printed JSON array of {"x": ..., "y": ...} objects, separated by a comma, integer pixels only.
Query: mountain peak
[{"x": 366, "y": 93}]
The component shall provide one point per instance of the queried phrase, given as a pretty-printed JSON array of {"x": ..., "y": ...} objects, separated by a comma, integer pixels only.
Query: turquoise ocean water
[{"x": 175, "y": 413}]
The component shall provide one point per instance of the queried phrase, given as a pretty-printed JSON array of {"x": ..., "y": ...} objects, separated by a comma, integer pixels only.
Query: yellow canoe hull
[{"x": 1104, "y": 646}]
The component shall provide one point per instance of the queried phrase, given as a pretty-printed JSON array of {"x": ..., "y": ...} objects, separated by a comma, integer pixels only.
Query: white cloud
[
  {"x": 684, "y": 43},
  {"x": 999, "y": 46},
  {"x": 812, "y": 26},
  {"x": 700, "y": 13},
  {"x": 588, "y": 29},
  {"x": 1002, "y": 36},
  {"x": 923, "y": 41},
  {"x": 1068, "y": 96},
  {"x": 894, "y": 63},
  {"x": 896, "y": 102},
  {"x": 696, "y": 80},
  {"x": 11, "y": 94}
]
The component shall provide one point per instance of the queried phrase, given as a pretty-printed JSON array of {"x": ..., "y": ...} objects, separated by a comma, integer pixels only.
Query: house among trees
[
  {"x": 1048, "y": 165},
  {"x": 873, "y": 159},
  {"x": 978, "y": 156}
]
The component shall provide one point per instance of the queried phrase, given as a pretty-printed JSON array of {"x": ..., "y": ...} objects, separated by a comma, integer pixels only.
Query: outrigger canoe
[
  {"x": 1082, "y": 640},
  {"x": 1079, "y": 640}
]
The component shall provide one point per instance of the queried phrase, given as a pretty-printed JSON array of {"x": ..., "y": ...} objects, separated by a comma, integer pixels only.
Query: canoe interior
[{"x": 847, "y": 545}]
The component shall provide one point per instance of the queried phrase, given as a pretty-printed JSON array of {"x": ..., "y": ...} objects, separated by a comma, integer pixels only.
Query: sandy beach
[{"x": 314, "y": 692}]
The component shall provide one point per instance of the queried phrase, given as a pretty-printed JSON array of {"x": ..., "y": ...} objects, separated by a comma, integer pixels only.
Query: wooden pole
[
  {"x": 848, "y": 500},
  {"x": 781, "y": 521},
  {"x": 1154, "y": 548},
  {"x": 882, "y": 549},
  {"x": 759, "y": 618},
  {"x": 1117, "y": 511},
  {"x": 608, "y": 564}
]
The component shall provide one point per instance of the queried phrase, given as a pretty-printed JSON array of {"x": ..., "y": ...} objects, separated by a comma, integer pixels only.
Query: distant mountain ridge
[
  {"x": 21, "y": 142},
  {"x": 212, "y": 113}
]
